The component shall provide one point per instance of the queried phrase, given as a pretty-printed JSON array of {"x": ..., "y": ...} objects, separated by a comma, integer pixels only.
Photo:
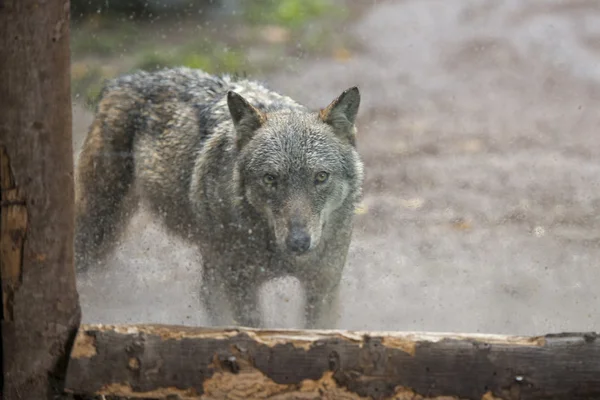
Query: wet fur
[{"x": 194, "y": 148}]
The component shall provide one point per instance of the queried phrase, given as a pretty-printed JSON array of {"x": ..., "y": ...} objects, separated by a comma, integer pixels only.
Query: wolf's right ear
[
  {"x": 246, "y": 118},
  {"x": 341, "y": 114}
]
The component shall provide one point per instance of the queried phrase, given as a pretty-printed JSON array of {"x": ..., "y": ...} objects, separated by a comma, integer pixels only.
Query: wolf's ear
[
  {"x": 341, "y": 114},
  {"x": 246, "y": 118}
]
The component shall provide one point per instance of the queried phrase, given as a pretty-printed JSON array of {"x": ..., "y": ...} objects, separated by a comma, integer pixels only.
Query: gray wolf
[{"x": 262, "y": 185}]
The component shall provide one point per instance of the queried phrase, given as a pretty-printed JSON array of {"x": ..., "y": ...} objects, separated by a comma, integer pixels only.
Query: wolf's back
[
  {"x": 175, "y": 97},
  {"x": 198, "y": 87}
]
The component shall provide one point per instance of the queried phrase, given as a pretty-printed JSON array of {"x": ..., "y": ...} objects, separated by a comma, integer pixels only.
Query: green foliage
[
  {"x": 153, "y": 60},
  {"x": 102, "y": 36},
  {"x": 215, "y": 59},
  {"x": 289, "y": 13},
  {"x": 105, "y": 45},
  {"x": 87, "y": 83}
]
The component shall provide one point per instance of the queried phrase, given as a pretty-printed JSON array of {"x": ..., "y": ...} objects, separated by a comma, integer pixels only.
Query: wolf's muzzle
[{"x": 298, "y": 239}]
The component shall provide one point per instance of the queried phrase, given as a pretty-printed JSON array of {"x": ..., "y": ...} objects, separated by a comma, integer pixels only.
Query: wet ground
[{"x": 479, "y": 127}]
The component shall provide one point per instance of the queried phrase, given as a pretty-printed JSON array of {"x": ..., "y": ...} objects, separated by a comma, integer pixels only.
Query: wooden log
[
  {"x": 40, "y": 311},
  {"x": 157, "y": 362}
]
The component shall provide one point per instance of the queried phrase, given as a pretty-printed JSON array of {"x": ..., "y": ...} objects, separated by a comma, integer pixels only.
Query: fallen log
[{"x": 157, "y": 362}]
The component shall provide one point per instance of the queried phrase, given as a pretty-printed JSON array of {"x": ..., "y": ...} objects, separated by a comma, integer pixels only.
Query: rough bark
[
  {"x": 40, "y": 311},
  {"x": 156, "y": 362}
]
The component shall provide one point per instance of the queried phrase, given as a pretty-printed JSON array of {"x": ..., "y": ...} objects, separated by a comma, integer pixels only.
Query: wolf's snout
[{"x": 298, "y": 240}]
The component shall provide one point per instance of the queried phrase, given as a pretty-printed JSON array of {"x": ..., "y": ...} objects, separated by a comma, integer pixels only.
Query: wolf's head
[{"x": 300, "y": 169}]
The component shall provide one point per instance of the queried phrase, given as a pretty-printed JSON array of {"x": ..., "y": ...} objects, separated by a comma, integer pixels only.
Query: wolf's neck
[{"x": 213, "y": 168}]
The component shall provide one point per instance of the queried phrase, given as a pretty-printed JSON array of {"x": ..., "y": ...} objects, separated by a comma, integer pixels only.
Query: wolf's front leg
[
  {"x": 322, "y": 308},
  {"x": 221, "y": 287},
  {"x": 230, "y": 280},
  {"x": 243, "y": 298},
  {"x": 213, "y": 299}
]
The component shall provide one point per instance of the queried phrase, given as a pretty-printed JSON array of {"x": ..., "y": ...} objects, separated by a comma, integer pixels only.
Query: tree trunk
[{"x": 40, "y": 309}]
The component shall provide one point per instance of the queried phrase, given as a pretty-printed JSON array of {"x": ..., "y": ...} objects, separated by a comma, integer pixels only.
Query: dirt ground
[{"x": 479, "y": 127}]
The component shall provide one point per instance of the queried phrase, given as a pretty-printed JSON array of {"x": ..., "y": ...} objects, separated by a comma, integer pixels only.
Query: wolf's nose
[{"x": 298, "y": 241}]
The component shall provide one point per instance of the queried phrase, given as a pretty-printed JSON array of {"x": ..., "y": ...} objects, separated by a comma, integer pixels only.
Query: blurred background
[{"x": 478, "y": 127}]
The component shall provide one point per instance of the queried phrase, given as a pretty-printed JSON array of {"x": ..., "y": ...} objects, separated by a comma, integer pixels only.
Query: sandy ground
[{"x": 479, "y": 130}]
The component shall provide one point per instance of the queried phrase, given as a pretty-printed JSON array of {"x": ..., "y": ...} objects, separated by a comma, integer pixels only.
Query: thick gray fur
[{"x": 262, "y": 185}]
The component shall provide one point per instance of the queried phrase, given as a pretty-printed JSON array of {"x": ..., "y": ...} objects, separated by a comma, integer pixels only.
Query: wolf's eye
[
  {"x": 321, "y": 177},
  {"x": 269, "y": 179}
]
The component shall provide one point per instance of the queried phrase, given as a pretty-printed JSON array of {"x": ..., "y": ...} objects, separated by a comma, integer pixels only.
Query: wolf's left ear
[
  {"x": 341, "y": 114},
  {"x": 246, "y": 118}
]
